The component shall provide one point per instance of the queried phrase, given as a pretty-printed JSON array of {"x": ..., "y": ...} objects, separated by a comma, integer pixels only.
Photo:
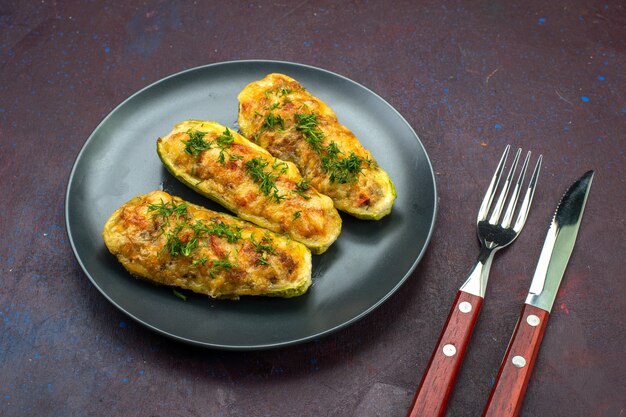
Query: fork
[{"x": 495, "y": 231}]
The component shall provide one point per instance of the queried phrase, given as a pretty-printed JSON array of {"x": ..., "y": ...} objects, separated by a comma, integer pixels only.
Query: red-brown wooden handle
[
  {"x": 432, "y": 395},
  {"x": 510, "y": 385}
]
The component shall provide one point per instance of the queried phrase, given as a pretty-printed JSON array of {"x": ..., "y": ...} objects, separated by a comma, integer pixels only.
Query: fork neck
[{"x": 476, "y": 282}]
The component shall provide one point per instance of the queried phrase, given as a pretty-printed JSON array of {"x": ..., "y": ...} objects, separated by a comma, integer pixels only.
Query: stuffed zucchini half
[
  {"x": 243, "y": 177},
  {"x": 168, "y": 241},
  {"x": 282, "y": 117}
]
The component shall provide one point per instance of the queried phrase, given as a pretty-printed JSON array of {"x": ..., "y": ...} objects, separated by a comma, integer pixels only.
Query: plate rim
[{"x": 264, "y": 346}]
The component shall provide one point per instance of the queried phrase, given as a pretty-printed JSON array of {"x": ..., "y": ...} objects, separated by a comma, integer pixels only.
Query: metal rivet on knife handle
[
  {"x": 533, "y": 320},
  {"x": 518, "y": 361},
  {"x": 449, "y": 350},
  {"x": 465, "y": 307}
]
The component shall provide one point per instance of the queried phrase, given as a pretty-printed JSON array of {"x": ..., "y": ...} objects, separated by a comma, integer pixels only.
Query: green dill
[
  {"x": 263, "y": 247},
  {"x": 165, "y": 210},
  {"x": 297, "y": 215},
  {"x": 202, "y": 260},
  {"x": 280, "y": 164},
  {"x": 219, "y": 265},
  {"x": 226, "y": 231},
  {"x": 273, "y": 106},
  {"x": 179, "y": 294},
  {"x": 302, "y": 187},
  {"x": 343, "y": 170},
  {"x": 280, "y": 92},
  {"x": 262, "y": 260},
  {"x": 223, "y": 142},
  {"x": 272, "y": 121},
  {"x": 307, "y": 125},
  {"x": 266, "y": 180},
  {"x": 225, "y": 139},
  {"x": 196, "y": 143},
  {"x": 332, "y": 150},
  {"x": 229, "y": 232},
  {"x": 174, "y": 245}
]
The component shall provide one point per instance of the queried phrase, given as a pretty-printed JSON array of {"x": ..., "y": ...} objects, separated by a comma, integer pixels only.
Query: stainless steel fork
[{"x": 495, "y": 231}]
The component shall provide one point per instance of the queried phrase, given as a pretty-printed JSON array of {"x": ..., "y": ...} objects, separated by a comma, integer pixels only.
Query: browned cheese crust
[
  {"x": 246, "y": 179},
  {"x": 282, "y": 117},
  {"x": 167, "y": 241}
]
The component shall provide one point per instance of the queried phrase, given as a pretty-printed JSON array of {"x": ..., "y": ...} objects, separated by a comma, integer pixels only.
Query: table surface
[{"x": 468, "y": 76}]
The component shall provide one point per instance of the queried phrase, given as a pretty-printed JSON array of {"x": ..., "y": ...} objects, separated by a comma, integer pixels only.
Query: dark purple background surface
[{"x": 469, "y": 76}]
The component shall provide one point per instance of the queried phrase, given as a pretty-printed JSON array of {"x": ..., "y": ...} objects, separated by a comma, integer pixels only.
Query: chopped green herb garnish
[
  {"x": 297, "y": 215},
  {"x": 229, "y": 232},
  {"x": 263, "y": 248},
  {"x": 196, "y": 143},
  {"x": 280, "y": 164},
  {"x": 165, "y": 210},
  {"x": 201, "y": 260},
  {"x": 226, "y": 231},
  {"x": 271, "y": 121},
  {"x": 266, "y": 180},
  {"x": 341, "y": 171},
  {"x": 179, "y": 294},
  {"x": 345, "y": 170},
  {"x": 307, "y": 125},
  {"x": 273, "y": 106},
  {"x": 301, "y": 188},
  {"x": 220, "y": 264},
  {"x": 280, "y": 92}
]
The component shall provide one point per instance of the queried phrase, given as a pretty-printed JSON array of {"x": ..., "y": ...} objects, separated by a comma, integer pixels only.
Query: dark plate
[{"x": 368, "y": 262}]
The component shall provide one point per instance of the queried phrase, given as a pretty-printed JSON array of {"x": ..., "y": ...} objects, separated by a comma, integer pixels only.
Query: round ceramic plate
[{"x": 367, "y": 264}]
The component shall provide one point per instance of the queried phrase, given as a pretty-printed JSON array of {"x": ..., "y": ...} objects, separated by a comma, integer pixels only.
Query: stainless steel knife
[{"x": 510, "y": 385}]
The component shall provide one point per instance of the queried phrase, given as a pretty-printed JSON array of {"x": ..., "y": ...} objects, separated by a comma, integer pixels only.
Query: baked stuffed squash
[
  {"x": 282, "y": 117},
  {"x": 243, "y": 177},
  {"x": 168, "y": 241}
]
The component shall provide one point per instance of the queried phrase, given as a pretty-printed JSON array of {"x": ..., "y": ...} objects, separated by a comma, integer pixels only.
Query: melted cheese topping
[
  {"x": 249, "y": 181},
  {"x": 271, "y": 112},
  {"x": 188, "y": 248}
]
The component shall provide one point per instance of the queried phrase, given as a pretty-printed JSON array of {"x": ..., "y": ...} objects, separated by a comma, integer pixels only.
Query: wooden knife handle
[
  {"x": 432, "y": 395},
  {"x": 510, "y": 385}
]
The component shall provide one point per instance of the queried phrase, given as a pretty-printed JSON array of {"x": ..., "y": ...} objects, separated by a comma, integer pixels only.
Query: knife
[{"x": 510, "y": 385}]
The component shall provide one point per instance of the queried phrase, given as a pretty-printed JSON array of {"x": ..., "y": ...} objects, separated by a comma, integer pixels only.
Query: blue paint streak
[
  {"x": 49, "y": 387},
  {"x": 307, "y": 43},
  {"x": 542, "y": 20},
  {"x": 601, "y": 77},
  {"x": 142, "y": 372},
  {"x": 7, "y": 397},
  {"x": 125, "y": 380},
  {"x": 584, "y": 99},
  {"x": 498, "y": 126}
]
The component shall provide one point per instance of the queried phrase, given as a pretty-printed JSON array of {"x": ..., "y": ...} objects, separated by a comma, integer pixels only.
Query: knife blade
[{"x": 508, "y": 391}]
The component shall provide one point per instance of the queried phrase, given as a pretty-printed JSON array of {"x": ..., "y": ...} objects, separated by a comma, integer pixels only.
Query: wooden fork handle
[
  {"x": 432, "y": 395},
  {"x": 510, "y": 385}
]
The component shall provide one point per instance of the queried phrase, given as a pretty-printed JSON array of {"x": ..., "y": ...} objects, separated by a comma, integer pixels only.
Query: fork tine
[
  {"x": 508, "y": 214},
  {"x": 486, "y": 203},
  {"x": 505, "y": 190},
  {"x": 528, "y": 198}
]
